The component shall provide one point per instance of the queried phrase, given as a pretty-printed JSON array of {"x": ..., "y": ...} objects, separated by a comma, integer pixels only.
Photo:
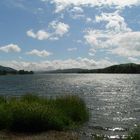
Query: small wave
[
  {"x": 136, "y": 110},
  {"x": 130, "y": 118},
  {"x": 115, "y": 129},
  {"x": 115, "y": 137},
  {"x": 111, "y": 137},
  {"x": 123, "y": 119}
]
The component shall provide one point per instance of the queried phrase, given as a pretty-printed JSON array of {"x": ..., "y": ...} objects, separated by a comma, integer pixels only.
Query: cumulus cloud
[
  {"x": 84, "y": 63},
  {"x": 60, "y": 28},
  {"x": 42, "y": 53},
  {"x": 115, "y": 22},
  {"x": 40, "y": 35},
  {"x": 128, "y": 44},
  {"x": 57, "y": 30},
  {"x": 97, "y": 38},
  {"x": 10, "y": 48},
  {"x": 122, "y": 44},
  {"x": 116, "y": 37},
  {"x": 63, "y": 4},
  {"x": 76, "y": 13},
  {"x": 77, "y": 10}
]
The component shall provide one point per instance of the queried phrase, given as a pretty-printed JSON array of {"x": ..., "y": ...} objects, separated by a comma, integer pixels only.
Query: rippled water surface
[{"x": 113, "y": 100}]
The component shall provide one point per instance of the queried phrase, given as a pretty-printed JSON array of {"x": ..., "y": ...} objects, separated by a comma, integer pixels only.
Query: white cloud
[
  {"x": 128, "y": 44},
  {"x": 134, "y": 60},
  {"x": 115, "y": 22},
  {"x": 57, "y": 30},
  {"x": 77, "y": 10},
  {"x": 72, "y": 49},
  {"x": 63, "y": 4},
  {"x": 121, "y": 51},
  {"x": 10, "y": 48},
  {"x": 42, "y": 53},
  {"x": 84, "y": 63},
  {"x": 91, "y": 54},
  {"x": 117, "y": 38},
  {"x": 123, "y": 44},
  {"x": 60, "y": 28},
  {"x": 30, "y": 33},
  {"x": 88, "y": 19},
  {"x": 97, "y": 38},
  {"x": 76, "y": 13},
  {"x": 40, "y": 35}
]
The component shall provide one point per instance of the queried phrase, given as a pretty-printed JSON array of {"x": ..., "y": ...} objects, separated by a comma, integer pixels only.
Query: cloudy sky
[{"x": 58, "y": 34}]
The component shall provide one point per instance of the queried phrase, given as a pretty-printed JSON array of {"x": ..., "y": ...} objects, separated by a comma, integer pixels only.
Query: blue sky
[{"x": 58, "y": 34}]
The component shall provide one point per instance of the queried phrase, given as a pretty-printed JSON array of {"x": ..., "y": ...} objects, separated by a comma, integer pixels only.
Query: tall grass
[
  {"x": 135, "y": 134},
  {"x": 31, "y": 113}
]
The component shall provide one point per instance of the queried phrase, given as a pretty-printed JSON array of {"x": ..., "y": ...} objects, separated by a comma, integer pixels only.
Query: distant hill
[
  {"x": 122, "y": 68},
  {"x": 74, "y": 70},
  {"x": 8, "y": 70}
]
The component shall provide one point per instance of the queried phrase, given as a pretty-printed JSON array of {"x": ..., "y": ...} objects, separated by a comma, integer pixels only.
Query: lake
[{"x": 113, "y": 99}]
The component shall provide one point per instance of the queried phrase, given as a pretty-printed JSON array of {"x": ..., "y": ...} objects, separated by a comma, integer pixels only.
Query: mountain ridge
[{"x": 120, "y": 68}]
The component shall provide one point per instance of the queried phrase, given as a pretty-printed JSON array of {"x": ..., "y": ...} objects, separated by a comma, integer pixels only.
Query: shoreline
[{"x": 50, "y": 135}]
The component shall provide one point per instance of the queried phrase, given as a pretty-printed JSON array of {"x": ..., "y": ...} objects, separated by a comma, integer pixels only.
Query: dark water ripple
[{"x": 113, "y": 100}]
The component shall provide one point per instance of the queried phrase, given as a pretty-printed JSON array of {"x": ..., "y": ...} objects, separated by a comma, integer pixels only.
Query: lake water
[{"x": 113, "y": 99}]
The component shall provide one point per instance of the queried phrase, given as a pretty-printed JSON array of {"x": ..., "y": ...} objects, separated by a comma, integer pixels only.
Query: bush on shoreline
[
  {"x": 31, "y": 113},
  {"x": 135, "y": 134}
]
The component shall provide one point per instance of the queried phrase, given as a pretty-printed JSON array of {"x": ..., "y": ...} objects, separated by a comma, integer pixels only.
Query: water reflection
[{"x": 113, "y": 100}]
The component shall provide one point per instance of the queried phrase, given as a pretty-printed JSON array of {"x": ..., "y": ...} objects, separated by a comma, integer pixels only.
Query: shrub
[
  {"x": 135, "y": 134},
  {"x": 31, "y": 113},
  {"x": 30, "y": 98},
  {"x": 74, "y": 108},
  {"x": 2, "y": 99},
  {"x": 5, "y": 116}
]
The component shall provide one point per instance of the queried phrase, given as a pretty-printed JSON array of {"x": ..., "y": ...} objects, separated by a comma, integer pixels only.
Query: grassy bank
[
  {"x": 31, "y": 113},
  {"x": 134, "y": 134}
]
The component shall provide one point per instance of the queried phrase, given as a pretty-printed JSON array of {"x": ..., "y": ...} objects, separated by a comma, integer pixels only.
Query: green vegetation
[
  {"x": 24, "y": 72},
  {"x": 135, "y": 134},
  {"x": 32, "y": 113}
]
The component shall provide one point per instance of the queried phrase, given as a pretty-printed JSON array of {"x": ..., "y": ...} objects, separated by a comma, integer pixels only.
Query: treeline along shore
[
  {"x": 8, "y": 70},
  {"x": 16, "y": 72}
]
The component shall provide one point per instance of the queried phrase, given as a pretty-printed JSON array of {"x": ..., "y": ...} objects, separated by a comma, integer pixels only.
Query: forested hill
[
  {"x": 121, "y": 68},
  {"x": 8, "y": 70}
]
